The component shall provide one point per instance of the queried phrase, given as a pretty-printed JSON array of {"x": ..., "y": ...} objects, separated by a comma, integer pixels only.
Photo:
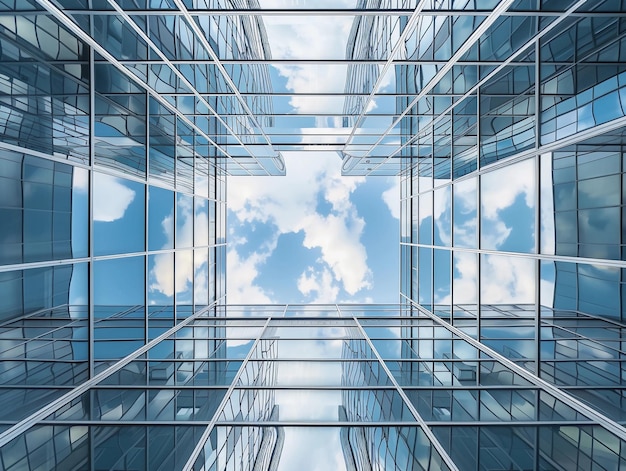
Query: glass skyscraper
[{"x": 121, "y": 123}]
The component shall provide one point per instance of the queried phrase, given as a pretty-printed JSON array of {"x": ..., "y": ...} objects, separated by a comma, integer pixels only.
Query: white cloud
[
  {"x": 80, "y": 181},
  {"x": 164, "y": 278},
  {"x": 388, "y": 81},
  {"x": 241, "y": 274},
  {"x": 546, "y": 292},
  {"x": 290, "y": 203},
  {"x": 391, "y": 197},
  {"x": 337, "y": 190},
  {"x": 547, "y": 206},
  {"x": 302, "y": 446},
  {"x": 184, "y": 231},
  {"x": 465, "y": 282},
  {"x": 442, "y": 216},
  {"x": 501, "y": 188},
  {"x": 319, "y": 138},
  {"x": 167, "y": 280},
  {"x": 201, "y": 283},
  {"x": 495, "y": 234},
  {"x": 162, "y": 274},
  {"x": 320, "y": 282},
  {"x": 504, "y": 280},
  {"x": 465, "y": 213},
  {"x": 465, "y": 233},
  {"x": 507, "y": 280},
  {"x": 201, "y": 224},
  {"x": 336, "y": 236},
  {"x": 303, "y": 449},
  {"x": 111, "y": 198}
]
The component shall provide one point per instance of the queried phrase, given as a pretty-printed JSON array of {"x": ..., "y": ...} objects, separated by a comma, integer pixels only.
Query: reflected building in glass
[
  {"x": 511, "y": 156},
  {"x": 120, "y": 124}
]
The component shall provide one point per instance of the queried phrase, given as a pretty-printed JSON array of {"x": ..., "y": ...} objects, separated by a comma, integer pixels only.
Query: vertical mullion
[
  {"x": 538, "y": 177},
  {"x": 175, "y": 217},
  {"x": 407, "y": 402},
  {"x": 146, "y": 259},
  {"x": 451, "y": 228},
  {"x": 478, "y": 255},
  {"x": 189, "y": 465},
  {"x": 146, "y": 214},
  {"x": 90, "y": 226}
]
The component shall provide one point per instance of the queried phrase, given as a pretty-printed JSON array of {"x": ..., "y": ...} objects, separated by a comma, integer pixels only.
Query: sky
[{"x": 312, "y": 236}]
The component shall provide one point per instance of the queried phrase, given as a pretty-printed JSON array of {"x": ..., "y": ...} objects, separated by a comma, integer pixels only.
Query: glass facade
[{"x": 121, "y": 122}]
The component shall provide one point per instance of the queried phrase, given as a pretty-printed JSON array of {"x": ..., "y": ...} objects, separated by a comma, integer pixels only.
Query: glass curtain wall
[
  {"x": 354, "y": 387},
  {"x": 512, "y": 192},
  {"x": 509, "y": 134},
  {"x": 120, "y": 122},
  {"x": 117, "y": 131}
]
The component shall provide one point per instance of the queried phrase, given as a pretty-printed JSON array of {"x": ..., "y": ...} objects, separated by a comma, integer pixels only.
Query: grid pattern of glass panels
[
  {"x": 512, "y": 194},
  {"x": 120, "y": 121},
  {"x": 380, "y": 386},
  {"x": 512, "y": 197}
]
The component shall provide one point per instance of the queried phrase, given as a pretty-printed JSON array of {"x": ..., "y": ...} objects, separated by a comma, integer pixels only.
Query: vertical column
[
  {"x": 198, "y": 450},
  {"x": 429, "y": 434}
]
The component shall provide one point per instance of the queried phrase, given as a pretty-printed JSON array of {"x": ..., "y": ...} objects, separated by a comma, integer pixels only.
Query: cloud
[
  {"x": 290, "y": 203},
  {"x": 184, "y": 223},
  {"x": 80, "y": 181},
  {"x": 167, "y": 280},
  {"x": 365, "y": 300},
  {"x": 312, "y": 448},
  {"x": 162, "y": 274},
  {"x": 501, "y": 188},
  {"x": 546, "y": 292},
  {"x": 302, "y": 446},
  {"x": 547, "y": 205},
  {"x": 201, "y": 282},
  {"x": 337, "y": 190},
  {"x": 496, "y": 234},
  {"x": 503, "y": 280},
  {"x": 321, "y": 282},
  {"x": 465, "y": 280},
  {"x": 163, "y": 277},
  {"x": 391, "y": 197},
  {"x": 241, "y": 276},
  {"x": 336, "y": 237},
  {"x": 442, "y": 214},
  {"x": 507, "y": 280},
  {"x": 111, "y": 198},
  {"x": 320, "y": 137},
  {"x": 465, "y": 213},
  {"x": 499, "y": 191}
]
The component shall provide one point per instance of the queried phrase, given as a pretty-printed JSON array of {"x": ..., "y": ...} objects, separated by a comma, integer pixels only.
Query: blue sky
[
  {"x": 316, "y": 237},
  {"x": 313, "y": 235}
]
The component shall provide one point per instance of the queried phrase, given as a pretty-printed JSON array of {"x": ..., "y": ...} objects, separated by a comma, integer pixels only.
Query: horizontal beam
[
  {"x": 319, "y": 12},
  {"x": 342, "y": 62},
  {"x": 322, "y": 423},
  {"x": 273, "y": 61}
]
